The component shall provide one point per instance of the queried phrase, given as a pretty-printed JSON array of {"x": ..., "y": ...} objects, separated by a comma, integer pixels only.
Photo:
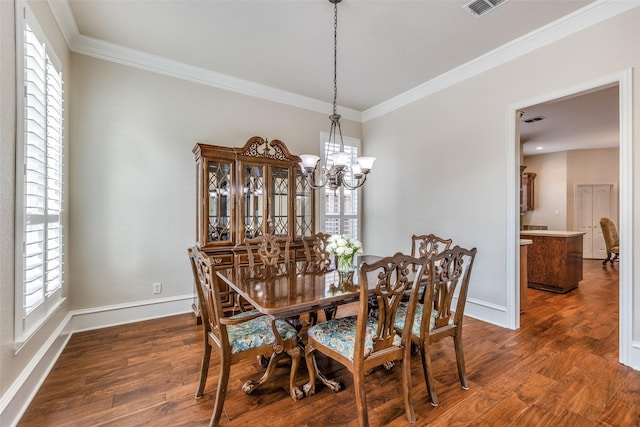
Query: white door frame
[{"x": 624, "y": 79}]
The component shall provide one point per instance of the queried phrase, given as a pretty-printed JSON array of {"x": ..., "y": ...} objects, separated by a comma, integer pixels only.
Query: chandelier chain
[{"x": 335, "y": 56}]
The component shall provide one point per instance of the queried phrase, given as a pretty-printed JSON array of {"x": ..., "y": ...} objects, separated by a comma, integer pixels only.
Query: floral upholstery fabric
[
  {"x": 415, "y": 330},
  {"x": 340, "y": 335},
  {"x": 256, "y": 332}
]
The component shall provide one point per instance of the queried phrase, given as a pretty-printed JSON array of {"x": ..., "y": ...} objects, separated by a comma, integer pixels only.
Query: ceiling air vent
[
  {"x": 480, "y": 7},
  {"x": 534, "y": 119}
]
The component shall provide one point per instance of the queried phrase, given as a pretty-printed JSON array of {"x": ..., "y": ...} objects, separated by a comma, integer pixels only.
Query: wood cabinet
[
  {"x": 526, "y": 191},
  {"x": 246, "y": 192},
  {"x": 554, "y": 259}
]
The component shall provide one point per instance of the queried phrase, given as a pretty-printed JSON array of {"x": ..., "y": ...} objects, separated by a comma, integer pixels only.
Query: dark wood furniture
[
  {"x": 447, "y": 273},
  {"x": 362, "y": 342},
  {"x": 236, "y": 338},
  {"x": 268, "y": 250},
  {"x": 527, "y": 191},
  {"x": 554, "y": 259},
  {"x": 245, "y": 192}
]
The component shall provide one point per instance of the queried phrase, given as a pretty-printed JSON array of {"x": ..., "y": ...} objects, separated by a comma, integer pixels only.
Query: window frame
[
  {"x": 26, "y": 324},
  {"x": 348, "y": 142}
]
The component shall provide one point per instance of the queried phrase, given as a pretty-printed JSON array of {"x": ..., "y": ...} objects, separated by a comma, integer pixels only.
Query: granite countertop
[{"x": 551, "y": 233}]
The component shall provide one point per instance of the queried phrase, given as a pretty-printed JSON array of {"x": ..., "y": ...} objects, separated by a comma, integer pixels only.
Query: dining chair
[
  {"x": 315, "y": 251},
  {"x": 318, "y": 260},
  {"x": 361, "y": 342},
  {"x": 611, "y": 240},
  {"x": 426, "y": 245},
  {"x": 271, "y": 250},
  {"x": 434, "y": 319},
  {"x": 238, "y": 337}
]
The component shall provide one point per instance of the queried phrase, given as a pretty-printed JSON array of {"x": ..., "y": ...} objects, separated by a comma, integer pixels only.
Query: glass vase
[{"x": 345, "y": 263}]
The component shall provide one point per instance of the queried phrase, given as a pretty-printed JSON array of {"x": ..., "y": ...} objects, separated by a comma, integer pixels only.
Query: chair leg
[
  {"x": 361, "y": 397},
  {"x": 296, "y": 392},
  {"x": 615, "y": 258},
  {"x": 406, "y": 386},
  {"x": 221, "y": 393},
  {"x": 310, "y": 387},
  {"x": 204, "y": 368},
  {"x": 457, "y": 342},
  {"x": 607, "y": 259},
  {"x": 428, "y": 377}
]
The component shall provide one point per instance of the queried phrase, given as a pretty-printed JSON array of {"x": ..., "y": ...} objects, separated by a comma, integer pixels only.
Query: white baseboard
[
  {"x": 635, "y": 355},
  {"x": 15, "y": 401},
  {"x": 119, "y": 314},
  {"x": 485, "y": 311}
]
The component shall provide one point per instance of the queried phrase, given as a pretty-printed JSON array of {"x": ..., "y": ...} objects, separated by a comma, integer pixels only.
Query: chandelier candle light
[
  {"x": 337, "y": 165},
  {"x": 344, "y": 248}
]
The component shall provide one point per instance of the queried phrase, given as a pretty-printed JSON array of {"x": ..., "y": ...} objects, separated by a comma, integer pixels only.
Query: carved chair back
[
  {"x": 428, "y": 244},
  {"x": 315, "y": 251},
  {"x": 447, "y": 272},
  {"x": 271, "y": 250},
  {"x": 391, "y": 277}
]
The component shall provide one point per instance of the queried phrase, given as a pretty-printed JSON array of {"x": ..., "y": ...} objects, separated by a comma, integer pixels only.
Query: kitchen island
[{"x": 554, "y": 259}]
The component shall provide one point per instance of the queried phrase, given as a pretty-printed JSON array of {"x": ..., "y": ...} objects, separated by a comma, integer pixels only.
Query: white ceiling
[{"x": 385, "y": 47}]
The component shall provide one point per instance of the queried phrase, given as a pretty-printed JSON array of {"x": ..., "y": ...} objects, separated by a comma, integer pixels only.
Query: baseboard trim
[
  {"x": 16, "y": 400},
  {"x": 635, "y": 355},
  {"x": 119, "y": 314},
  {"x": 486, "y": 311}
]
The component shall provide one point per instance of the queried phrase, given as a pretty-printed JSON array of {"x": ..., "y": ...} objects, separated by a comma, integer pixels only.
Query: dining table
[{"x": 286, "y": 291}]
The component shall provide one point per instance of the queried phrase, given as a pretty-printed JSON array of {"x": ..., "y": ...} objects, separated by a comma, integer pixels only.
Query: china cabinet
[{"x": 249, "y": 191}]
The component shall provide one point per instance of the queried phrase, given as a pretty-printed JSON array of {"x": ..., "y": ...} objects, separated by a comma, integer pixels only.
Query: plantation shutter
[{"x": 42, "y": 179}]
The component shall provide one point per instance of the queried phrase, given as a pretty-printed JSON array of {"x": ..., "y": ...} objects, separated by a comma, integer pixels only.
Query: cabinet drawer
[{"x": 222, "y": 260}]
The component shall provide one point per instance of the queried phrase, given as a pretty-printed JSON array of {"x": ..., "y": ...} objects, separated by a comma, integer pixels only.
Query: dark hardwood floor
[{"x": 559, "y": 369}]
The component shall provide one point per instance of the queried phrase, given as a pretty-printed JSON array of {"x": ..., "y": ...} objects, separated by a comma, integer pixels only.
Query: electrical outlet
[{"x": 157, "y": 288}]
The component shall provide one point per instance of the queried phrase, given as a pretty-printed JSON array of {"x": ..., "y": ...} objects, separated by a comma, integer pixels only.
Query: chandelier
[{"x": 336, "y": 168}]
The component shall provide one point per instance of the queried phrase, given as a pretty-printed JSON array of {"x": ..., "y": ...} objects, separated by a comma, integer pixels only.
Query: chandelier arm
[
  {"x": 323, "y": 182},
  {"x": 358, "y": 183}
]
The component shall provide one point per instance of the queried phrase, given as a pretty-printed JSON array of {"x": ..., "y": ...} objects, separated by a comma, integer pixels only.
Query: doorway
[{"x": 624, "y": 81}]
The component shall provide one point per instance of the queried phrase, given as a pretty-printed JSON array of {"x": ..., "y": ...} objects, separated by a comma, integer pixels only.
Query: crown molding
[{"x": 592, "y": 14}]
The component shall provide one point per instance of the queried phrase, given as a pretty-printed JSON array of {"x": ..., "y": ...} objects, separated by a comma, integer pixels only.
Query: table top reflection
[{"x": 282, "y": 291}]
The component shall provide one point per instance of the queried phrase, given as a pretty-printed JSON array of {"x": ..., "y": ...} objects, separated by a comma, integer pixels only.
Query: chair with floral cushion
[
  {"x": 317, "y": 256},
  {"x": 434, "y": 319},
  {"x": 317, "y": 260},
  {"x": 235, "y": 338},
  {"x": 361, "y": 342},
  {"x": 269, "y": 251},
  {"x": 427, "y": 245}
]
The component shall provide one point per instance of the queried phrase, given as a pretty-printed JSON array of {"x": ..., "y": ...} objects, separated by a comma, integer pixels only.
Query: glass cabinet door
[
  {"x": 279, "y": 202},
  {"x": 303, "y": 206},
  {"x": 253, "y": 186},
  {"x": 219, "y": 201}
]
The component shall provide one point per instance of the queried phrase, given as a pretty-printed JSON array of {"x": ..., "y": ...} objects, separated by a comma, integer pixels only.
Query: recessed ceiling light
[{"x": 539, "y": 148}]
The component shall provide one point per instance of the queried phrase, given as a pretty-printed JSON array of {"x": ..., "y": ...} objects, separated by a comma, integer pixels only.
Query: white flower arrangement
[{"x": 344, "y": 247}]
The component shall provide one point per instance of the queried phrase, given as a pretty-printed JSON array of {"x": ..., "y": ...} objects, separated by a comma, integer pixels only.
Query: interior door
[
  {"x": 601, "y": 208},
  {"x": 592, "y": 203}
]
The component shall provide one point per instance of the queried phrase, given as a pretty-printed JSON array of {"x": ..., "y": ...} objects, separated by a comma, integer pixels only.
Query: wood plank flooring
[{"x": 559, "y": 369}]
